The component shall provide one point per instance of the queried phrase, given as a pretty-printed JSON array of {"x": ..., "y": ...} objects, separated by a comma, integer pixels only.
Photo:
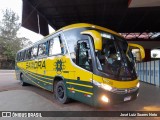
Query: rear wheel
[
  {"x": 60, "y": 92},
  {"x": 22, "y": 80}
]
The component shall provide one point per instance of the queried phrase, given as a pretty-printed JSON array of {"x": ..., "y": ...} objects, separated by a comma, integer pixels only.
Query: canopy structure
[{"x": 123, "y": 16}]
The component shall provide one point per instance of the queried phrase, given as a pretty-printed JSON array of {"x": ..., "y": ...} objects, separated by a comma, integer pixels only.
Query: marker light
[
  {"x": 138, "y": 84},
  {"x": 105, "y": 99}
]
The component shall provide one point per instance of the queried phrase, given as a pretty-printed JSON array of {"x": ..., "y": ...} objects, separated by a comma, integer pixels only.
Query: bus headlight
[
  {"x": 138, "y": 84},
  {"x": 106, "y": 87},
  {"x": 102, "y": 85}
]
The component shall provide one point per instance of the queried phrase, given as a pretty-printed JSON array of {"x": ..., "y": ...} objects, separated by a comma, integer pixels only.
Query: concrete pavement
[
  {"x": 23, "y": 100},
  {"x": 14, "y": 97}
]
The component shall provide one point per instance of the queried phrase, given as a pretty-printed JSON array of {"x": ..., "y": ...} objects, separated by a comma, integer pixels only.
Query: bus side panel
[
  {"x": 32, "y": 77},
  {"x": 79, "y": 83},
  {"x": 78, "y": 92},
  {"x": 77, "y": 80}
]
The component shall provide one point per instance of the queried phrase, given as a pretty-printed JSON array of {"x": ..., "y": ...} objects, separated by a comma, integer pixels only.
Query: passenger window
[
  {"x": 22, "y": 55},
  {"x": 20, "y": 59},
  {"x": 84, "y": 55},
  {"x": 55, "y": 46},
  {"x": 42, "y": 49},
  {"x": 34, "y": 52},
  {"x": 18, "y": 56},
  {"x": 28, "y": 53}
]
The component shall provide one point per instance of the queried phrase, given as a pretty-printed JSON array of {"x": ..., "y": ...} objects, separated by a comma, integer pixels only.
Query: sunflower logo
[{"x": 59, "y": 66}]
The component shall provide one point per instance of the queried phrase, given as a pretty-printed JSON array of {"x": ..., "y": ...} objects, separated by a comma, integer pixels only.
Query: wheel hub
[{"x": 60, "y": 91}]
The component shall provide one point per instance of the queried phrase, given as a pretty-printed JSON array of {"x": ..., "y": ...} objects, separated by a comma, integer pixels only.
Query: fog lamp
[{"x": 105, "y": 99}]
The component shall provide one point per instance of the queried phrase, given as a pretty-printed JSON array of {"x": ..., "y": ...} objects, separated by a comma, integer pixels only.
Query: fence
[{"x": 149, "y": 72}]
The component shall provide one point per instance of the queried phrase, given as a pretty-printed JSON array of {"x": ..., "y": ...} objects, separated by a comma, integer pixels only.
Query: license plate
[{"x": 127, "y": 98}]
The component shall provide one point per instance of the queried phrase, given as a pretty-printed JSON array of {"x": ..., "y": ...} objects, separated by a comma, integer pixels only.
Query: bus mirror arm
[
  {"x": 141, "y": 54},
  {"x": 97, "y": 38}
]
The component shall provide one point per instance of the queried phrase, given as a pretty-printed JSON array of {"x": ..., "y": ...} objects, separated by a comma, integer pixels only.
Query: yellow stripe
[
  {"x": 34, "y": 82},
  {"x": 80, "y": 84},
  {"x": 80, "y": 91},
  {"x": 37, "y": 75},
  {"x": 38, "y": 78}
]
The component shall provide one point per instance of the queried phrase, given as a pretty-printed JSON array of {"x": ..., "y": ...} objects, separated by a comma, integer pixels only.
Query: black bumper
[{"x": 114, "y": 98}]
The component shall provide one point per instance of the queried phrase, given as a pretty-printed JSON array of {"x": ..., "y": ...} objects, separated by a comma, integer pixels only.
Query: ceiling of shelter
[{"x": 123, "y": 16}]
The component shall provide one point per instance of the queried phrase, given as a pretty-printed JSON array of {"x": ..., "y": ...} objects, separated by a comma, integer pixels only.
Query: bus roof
[
  {"x": 81, "y": 25},
  {"x": 73, "y": 26}
]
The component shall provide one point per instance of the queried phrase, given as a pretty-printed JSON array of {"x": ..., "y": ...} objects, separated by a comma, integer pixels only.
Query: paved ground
[{"x": 15, "y": 97}]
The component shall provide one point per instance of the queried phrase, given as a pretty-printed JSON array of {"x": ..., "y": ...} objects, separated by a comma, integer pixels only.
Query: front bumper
[{"x": 114, "y": 98}]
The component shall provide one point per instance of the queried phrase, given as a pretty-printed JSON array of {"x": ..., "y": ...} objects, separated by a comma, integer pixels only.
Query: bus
[{"x": 84, "y": 62}]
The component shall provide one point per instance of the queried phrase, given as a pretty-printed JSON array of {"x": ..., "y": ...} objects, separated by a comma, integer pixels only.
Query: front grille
[{"x": 124, "y": 91}]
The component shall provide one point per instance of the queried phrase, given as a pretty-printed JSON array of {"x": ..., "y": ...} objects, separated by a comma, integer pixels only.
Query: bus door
[{"x": 84, "y": 73}]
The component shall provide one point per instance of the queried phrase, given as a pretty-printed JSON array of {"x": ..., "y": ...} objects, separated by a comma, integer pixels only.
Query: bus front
[{"x": 115, "y": 79}]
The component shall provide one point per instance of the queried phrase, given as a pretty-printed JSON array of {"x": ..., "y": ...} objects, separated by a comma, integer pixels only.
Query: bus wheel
[
  {"x": 60, "y": 92},
  {"x": 21, "y": 80}
]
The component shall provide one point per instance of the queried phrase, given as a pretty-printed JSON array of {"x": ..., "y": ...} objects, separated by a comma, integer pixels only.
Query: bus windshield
[{"x": 116, "y": 59}]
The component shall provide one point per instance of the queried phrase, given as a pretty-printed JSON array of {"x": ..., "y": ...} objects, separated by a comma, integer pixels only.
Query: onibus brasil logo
[{"x": 59, "y": 66}]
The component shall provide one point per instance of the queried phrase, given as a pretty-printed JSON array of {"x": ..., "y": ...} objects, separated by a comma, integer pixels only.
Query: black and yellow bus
[{"x": 84, "y": 62}]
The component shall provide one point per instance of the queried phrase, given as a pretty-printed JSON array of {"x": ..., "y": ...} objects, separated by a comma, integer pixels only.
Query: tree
[
  {"x": 9, "y": 42},
  {"x": 9, "y": 24}
]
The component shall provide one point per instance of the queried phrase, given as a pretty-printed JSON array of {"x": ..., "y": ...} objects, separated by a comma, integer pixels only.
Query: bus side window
[
  {"x": 18, "y": 56},
  {"x": 42, "y": 49},
  {"x": 21, "y": 54},
  {"x": 84, "y": 55},
  {"x": 24, "y": 54},
  {"x": 34, "y": 52},
  {"x": 62, "y": 45},
  {"x": 22, "y": 57},
  {"x": 28, "y": 53},
  {"x": 55, "y": 46}
]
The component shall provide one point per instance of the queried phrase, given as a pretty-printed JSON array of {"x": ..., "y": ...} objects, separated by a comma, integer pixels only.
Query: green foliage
[
  {"x": 9, "y": 42},
  {"x": 9, "y": 24}
]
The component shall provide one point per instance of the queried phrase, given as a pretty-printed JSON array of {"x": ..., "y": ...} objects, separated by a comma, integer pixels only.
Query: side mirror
[
  {"x": 138, "y": 51},
  {"x": 96, "y": 37}
]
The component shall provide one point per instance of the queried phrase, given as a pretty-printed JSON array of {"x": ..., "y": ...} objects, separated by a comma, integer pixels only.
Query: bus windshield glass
[{"x": 116, "y": 59}]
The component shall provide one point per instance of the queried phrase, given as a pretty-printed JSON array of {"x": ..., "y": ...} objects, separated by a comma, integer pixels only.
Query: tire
[
  {"x": 60, "y": 92},
  {"x": 21, "y": 80}
]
